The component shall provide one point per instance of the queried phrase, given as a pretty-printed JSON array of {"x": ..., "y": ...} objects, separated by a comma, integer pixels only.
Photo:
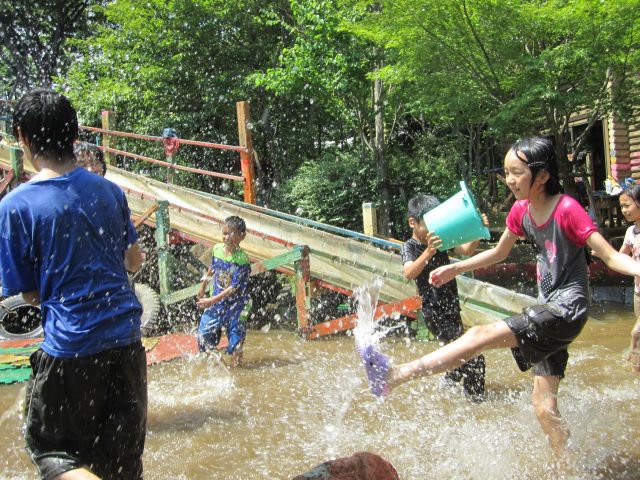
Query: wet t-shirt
[
  {"x": 436, "y": 302},
  {"x": 66, "y": 237},
  {"x": 229, "y": 271},
  {"x": 561, "y": 268},
  {"x": 632, "y": 240}
]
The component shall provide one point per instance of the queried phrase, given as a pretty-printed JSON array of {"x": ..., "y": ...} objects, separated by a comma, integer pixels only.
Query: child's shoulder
[
  {"x": 238, "y": 257},
  {"x": 241, "y": 257},
  {"x": 632, "y": 231},
  {"x": 410, "y": 245},
  {"x": 410, "y": 241},
  {"x": 567, "y": 202}
]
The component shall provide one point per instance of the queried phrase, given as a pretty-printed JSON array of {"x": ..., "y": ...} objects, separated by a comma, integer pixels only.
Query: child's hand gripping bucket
[{"x": 457, "y": 220}]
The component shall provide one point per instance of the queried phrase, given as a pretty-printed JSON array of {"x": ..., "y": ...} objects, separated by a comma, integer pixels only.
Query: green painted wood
[
  {"x": 281, "y": 260},
  {"x": 341, "y": 261},
  {"x": 180, "y": 295},
  {"x": 163, "y": 226},
  {"x": 16, "y": 164},
  {"x": 422, "y": 332}
]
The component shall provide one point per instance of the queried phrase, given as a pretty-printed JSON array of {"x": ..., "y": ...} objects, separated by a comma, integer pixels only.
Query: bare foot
[
  {"x": 634, "y": 359},
  {"x": 236, "y": 359}
]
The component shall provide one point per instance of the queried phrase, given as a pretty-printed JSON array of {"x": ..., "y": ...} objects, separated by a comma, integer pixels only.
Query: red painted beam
[
  {"x": 341, "y": 324},
  {"x": 6, "y": 181}
]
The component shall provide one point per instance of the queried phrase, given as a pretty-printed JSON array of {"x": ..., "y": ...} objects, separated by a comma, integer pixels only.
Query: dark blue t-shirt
[
  {"x": 229, "y": 271},
  {"x": 66, "y": 237}
]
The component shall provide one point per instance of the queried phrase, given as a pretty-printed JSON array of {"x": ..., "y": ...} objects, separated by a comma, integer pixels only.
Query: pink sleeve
[
  {"x": 628, "y": 236},
  {"x": 514, "y": 219},
  {"x": 574, "y": 221}
]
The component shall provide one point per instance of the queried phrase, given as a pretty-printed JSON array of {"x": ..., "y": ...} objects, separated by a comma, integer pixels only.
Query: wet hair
[
  {"x": 421, "y": 204},
  {"x": 237, "y": 223},
  {"x": 633, "y": 191},
  {"x": 539, "y": 154},
  {"x": 48, "y": 122},
  {"x": 87, "y": 153}
]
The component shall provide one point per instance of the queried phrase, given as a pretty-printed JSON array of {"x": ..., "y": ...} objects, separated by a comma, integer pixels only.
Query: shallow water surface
[{"x": 296, "y": 404}]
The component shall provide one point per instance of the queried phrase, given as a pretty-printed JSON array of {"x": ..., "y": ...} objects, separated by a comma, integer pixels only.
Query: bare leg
[
  {"x": 77, "y": 474},
  {"x": 236, "y": 358},
  {"x": 454, "y": 354},
  {"x": 545, "y": 405},
  {"x": 634, "y": 354}
]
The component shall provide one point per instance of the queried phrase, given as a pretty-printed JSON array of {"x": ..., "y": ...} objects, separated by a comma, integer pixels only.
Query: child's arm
[
  {"x": 413, "y": 269},
  {"x": 467, "y": 249},
  {"x": 615, "y": 260},
  {"x": 208, "y": 302},
  {"x": 205, "y": 281},
  {"x": 133, "y": 258},
  {"x": 32, "y": 298},
  {"x": 625, "y": 249},
  {"x": 497, "y": 254}
]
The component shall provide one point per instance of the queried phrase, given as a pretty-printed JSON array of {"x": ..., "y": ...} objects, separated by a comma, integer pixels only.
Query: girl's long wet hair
[
  {"x": 633, "y": 191},
  {"x": 539, "y": 154}
]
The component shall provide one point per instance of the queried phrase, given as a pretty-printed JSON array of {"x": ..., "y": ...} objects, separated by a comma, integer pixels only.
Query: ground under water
[{"x": 296, "y": 404}]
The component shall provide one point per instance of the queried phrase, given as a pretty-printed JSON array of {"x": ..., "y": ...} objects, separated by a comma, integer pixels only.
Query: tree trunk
[
  {"x": 381, "y": 163},
  {"x": 564, "y": 166}
]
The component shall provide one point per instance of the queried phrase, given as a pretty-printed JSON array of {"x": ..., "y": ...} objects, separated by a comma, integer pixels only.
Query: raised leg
[{"x": 472, "y": 343}]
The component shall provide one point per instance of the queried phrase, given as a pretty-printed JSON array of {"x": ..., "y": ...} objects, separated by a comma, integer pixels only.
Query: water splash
[{"x": 368, "y": 330}]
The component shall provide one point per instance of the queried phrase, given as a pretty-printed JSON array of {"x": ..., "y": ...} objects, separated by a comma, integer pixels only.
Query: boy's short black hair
[
  {"x": 421, "y": 204},
  {"x": 48, "y": 122},
  {"x": 84, "y": 151},
  {"x": 237, "y": 223}
]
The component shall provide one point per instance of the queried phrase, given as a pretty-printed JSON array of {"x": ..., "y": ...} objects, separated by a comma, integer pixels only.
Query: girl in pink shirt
[
  {"x": 630, "y": 205},
  {"x": 559, "y": 229}
]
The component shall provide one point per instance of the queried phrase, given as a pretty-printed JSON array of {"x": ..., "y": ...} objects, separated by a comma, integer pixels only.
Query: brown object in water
[{"x": 359, "y": 466}]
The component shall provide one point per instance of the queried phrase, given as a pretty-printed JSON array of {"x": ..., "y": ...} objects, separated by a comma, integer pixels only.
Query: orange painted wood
[{"x": 341, "y": 324}]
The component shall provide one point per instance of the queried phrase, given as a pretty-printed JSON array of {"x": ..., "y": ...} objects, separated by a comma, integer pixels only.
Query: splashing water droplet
[{"x": 367, "y": 331}]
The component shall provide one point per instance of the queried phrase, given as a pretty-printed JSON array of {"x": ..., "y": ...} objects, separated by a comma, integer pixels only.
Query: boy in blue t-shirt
[
  {"x": 230, "y": 268},
  {"x": 440, "y": 306},
  {"x": 66, "y": 243}
]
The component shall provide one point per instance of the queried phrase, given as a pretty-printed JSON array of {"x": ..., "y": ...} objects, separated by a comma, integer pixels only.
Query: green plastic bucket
[{"x": 457, "y": 220}]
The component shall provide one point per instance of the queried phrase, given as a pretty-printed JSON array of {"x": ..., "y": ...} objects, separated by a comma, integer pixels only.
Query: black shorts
[
  {"x": 543, "y": 335},
  {"x": 444, "y": 325},
  {"x": 88, "y": 412}
]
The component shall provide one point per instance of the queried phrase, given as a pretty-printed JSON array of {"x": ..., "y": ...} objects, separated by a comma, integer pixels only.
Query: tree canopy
[
  {"x": 516, "y": 66},
  {"x": 416, "y": 92}
]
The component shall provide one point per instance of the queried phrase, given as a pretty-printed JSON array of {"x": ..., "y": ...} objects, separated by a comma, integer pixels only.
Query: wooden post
[
  {"x": 109, "y": 123},
  {"x": 302, "y": 277},
  {"x": 369, "y": 219},
  {"x": 162, "y": 241},
  {"x": 150, "y": 211},
  {"x": 17, "y": 167},
  {"x": 246, "y": 158},
  {"x": 170, "y": 170}
]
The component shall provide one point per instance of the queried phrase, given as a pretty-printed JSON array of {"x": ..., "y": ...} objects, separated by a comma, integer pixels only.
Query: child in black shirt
[{"x": 440, "y": 306}]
